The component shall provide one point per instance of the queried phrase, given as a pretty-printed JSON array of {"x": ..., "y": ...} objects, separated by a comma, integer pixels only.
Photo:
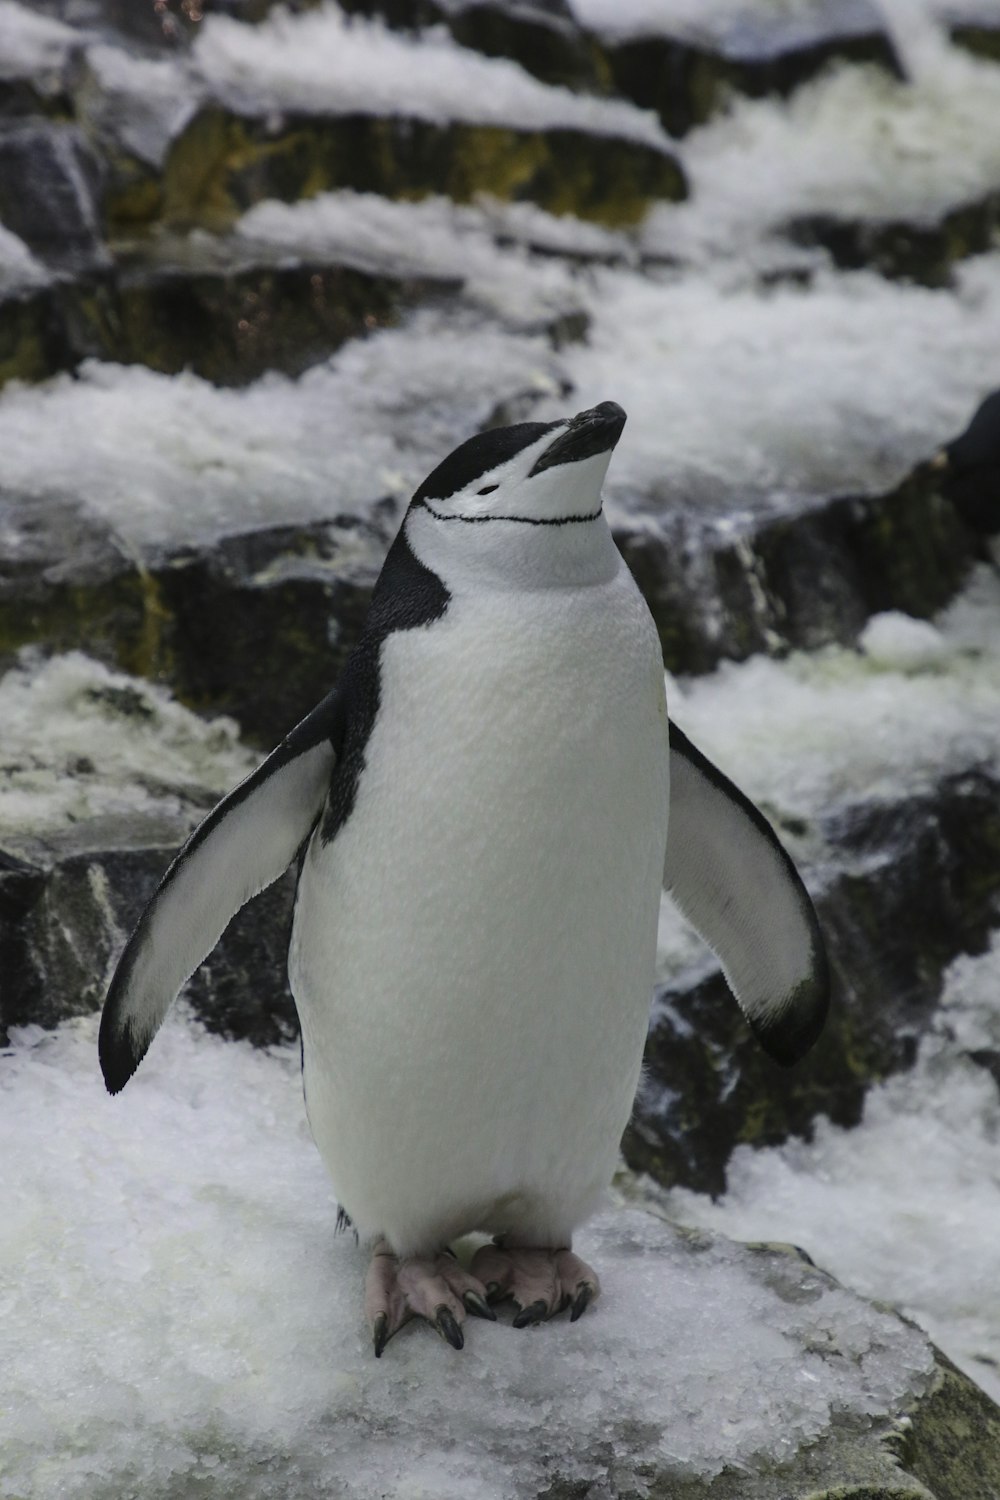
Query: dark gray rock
[
  {"x": 918, "y": 883},
  {"x": 52, "y": 193},
  {"x": 801, "y": 577},
  {"x": 69, "y": 901},
  {"x": 919, "y": 250},
  {"x": 968, "y": 468}
]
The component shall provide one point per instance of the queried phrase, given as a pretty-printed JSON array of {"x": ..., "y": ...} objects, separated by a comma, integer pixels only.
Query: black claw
[
  {"x": 582, "y": 1301},
  {"x": 448, "y": 1328},
  {"x": 380, "y": 1334},
  {"x": 478, "y": 1306},
  {"x": 493, "y": 1291},
  {"x": 535, "y": 1312}
]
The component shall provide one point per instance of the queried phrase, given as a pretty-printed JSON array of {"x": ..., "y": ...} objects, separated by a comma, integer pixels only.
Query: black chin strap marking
[{"x": 524, "y": 520}]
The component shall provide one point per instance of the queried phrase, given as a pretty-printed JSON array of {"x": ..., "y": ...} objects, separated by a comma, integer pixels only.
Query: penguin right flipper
[
  {"x": 734, "y": 882},
  {"x": 243, "y": 845}
]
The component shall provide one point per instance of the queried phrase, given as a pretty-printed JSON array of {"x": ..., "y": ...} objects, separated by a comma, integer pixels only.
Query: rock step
[
  {"x": 223, "y": 163},
  {"x": 285, "y": 604},
  {"x": 918, "y": 884},
  {"x": 229, "y": 324},
  {"x": 67, "y": 906},
  {"x": 922, "y": 251},
  {"x": 685, "y": 77}
]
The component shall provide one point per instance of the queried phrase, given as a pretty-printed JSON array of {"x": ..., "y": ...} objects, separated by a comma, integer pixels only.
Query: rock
[
  {"x": 232, "y": 323},
  {"x": 225, "y": 162},
  {"x": 968, "y": 468},
  {"x": 51, "y": 193},
  {"x": 69, "y": 901},
  {"x": 261, "y": 625},
  {"x": 687, "y": 76},
  {"x": 918, "y": 883},
  {"x": 802, "y": 577},
  {"x": 922, "y": 251}
]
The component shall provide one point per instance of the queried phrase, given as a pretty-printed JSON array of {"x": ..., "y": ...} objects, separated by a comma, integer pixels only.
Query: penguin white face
[{"x": 536, "y": 473}]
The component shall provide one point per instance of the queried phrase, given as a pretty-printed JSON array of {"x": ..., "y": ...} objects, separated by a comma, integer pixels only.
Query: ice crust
[
  {"x": 325, "y": 62},
  {"x": 906, "y": 1206},
  {"x": 81, "y": 741},
  {"x": 185, "y": 1321}
]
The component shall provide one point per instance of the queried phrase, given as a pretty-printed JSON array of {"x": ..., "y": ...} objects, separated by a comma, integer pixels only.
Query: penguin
[{"x": 481, "y": 809}]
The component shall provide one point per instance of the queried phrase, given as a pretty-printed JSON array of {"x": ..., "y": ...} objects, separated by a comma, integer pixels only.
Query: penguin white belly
[{"x": 472, "y": 955}]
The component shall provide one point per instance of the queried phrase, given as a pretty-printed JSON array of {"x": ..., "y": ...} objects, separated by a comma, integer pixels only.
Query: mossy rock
[
  {"x": 924, "y": 252},
  {"x": 223, "y": 163},
  {"x": 919, "y": 884}
]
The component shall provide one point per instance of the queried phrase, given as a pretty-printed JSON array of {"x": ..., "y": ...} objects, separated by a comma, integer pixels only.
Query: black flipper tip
[{"x": 118, "y": 1054}]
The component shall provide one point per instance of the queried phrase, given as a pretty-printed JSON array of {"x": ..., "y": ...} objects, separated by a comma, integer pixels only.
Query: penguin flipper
[
  {"x": 735, "y": 883},
  {"x": 244, "y": 844}
]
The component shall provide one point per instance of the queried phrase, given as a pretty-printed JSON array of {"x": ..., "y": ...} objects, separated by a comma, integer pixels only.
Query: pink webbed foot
[
  {"x": 434, "y": 1287},
  {"x": 541, "y": 1282}
]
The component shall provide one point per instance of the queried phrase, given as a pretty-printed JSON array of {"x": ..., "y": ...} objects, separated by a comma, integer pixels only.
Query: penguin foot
[
  {"x": 541, "y": 1282},
  {"x": 434, "y": 1287}
]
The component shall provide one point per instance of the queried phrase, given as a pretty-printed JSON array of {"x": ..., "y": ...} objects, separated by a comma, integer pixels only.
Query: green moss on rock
[{"x": 224, "y": 163}]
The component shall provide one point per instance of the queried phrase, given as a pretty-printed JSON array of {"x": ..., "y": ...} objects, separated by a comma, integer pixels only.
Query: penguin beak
[{"x": 588, "y": 433}]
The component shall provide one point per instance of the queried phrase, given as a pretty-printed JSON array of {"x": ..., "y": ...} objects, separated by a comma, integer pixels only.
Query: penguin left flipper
[
  {"x": 734, "y": 882},
  {"x": 243, "y": 845}
]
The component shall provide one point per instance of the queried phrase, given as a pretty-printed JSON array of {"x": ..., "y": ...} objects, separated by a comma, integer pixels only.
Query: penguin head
[{"x": 536, "y": 473}]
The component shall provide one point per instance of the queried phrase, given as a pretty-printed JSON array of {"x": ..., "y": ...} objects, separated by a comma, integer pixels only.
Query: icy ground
[{"x": 184, "y": 1321}]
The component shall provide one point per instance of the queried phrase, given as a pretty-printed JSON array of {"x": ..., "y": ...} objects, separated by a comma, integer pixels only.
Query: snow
[
  {"x": 19, "y": 270},
  {"x": 30, "y": 43},
  {"x": 81, "y": 741},
  {"x": 184, "y": 1319},
  {"x": 433, "y": 238},
  {"x": 822, "y": 729},
  {"x": 862, "y": 377},
  {"x": 171, "y": 459},
  {"x": 906, "y": 1206},
  {"x": 855, "y": 143},
  {"x": 145, "y": 102},
  {"x": 324, "y": 62}
]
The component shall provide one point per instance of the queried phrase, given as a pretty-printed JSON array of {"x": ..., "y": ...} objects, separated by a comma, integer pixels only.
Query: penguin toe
[
  {"x": 540, "y": 1282},
  {"x": 433, "y": 1287}
]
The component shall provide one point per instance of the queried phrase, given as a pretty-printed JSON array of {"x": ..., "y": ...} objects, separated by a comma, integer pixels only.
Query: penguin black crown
[{"x": 489, "y": 802}]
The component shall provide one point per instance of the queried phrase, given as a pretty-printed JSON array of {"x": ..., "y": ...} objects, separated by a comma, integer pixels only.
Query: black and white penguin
[{"x": 484, "y": 802}]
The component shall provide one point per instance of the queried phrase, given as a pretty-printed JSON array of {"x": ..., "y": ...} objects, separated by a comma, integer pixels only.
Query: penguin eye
[{"x": 487, "y": 489}]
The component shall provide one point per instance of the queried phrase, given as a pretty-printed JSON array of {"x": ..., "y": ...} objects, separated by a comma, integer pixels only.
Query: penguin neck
[{"x": 513, "y": 556}]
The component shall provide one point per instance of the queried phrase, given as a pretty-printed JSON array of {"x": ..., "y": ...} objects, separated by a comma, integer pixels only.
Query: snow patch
[
  {"x": 169, "y": 459},
  {"x": 81, "y": 741},
  {"x": 184, "y": 1318},
  {"x": 30, "y": 43},
  {"x": 327, "y": 63},
  {"x": 19, "y": 270},
  {"x": 804, "y": 734}
]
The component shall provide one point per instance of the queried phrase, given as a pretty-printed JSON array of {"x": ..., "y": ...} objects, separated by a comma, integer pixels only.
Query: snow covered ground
[{"x": 185, "y": 1323}]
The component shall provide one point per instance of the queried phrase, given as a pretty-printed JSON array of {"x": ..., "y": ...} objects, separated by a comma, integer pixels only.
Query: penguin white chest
[{"x": 472, "y": 954}]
